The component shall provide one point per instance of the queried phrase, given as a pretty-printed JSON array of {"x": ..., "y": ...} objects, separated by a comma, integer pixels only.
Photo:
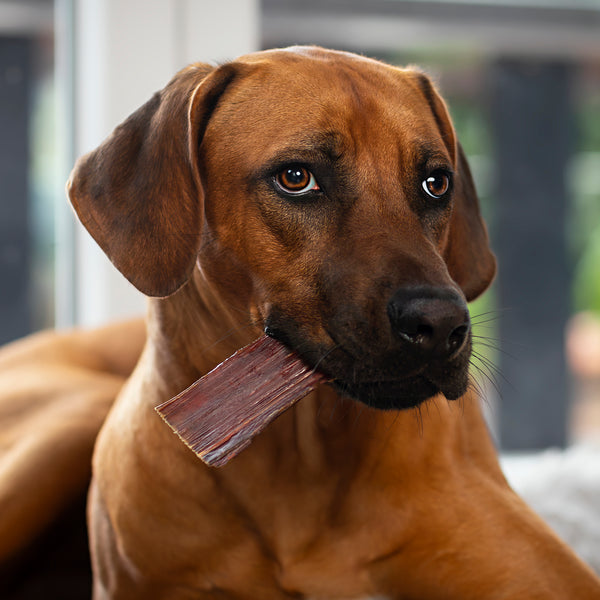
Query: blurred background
[{"x": 522, "y": 79}]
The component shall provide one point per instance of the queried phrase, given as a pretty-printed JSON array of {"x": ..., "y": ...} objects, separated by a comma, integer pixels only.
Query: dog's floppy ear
[
  {"x": 467, "y": 253},
  {"x": 139, "y": 193},
  {"x": 466, "y": 249}
]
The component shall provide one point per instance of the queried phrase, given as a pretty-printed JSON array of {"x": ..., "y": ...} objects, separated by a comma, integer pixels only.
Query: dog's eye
[
  {"x": 296, "y": 180},
  {"x": 437, "y": 184}
]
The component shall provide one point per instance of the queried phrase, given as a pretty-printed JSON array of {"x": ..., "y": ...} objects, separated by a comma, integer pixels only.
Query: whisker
[
  {"x": 487, "y": 362},
  {"x": 325, "y": 356},
  {"x": 496, "y": 348},
  {"x": 475, "y": 386},
  {"x": 489, "y": 371},
  {"x": 500, "y": 341},
  {"x": 497, "y": 312},
  {"x": 419, "y": 419},
  {"x": 230, "y": 333},
  {"x": 482, "y": 390},
  {"x": 480, "y": 323},
  {"x": 359, "y": 414}
]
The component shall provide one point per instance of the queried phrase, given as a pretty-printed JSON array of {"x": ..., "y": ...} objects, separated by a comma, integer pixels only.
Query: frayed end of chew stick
[{"x": 219, "y": 415}]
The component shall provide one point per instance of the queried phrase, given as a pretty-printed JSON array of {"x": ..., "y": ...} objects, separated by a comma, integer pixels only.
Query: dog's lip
[
  {"x": 399, "y": 394},
  {"x": 396, "y": 378},
  {"x": 386, "y": 382},
  {"x": 282, "y": 338}
]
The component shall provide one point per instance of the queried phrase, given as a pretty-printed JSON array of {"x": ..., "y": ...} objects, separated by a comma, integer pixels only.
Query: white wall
[{"x": 124, "y": 50}]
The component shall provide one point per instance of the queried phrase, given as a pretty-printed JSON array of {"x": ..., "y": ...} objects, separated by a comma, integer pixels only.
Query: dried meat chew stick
[{"x": 218, "y": 415}]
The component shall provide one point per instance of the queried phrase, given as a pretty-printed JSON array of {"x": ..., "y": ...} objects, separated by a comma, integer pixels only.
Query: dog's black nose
[{"x": 433, "y": 321}]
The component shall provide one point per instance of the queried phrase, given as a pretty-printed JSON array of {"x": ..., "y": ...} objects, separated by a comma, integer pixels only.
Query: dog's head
[{"x": 324, "y": 192}]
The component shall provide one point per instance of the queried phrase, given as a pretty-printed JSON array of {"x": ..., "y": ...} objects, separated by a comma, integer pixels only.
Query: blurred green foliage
[
  {"x": 584, "y": 225},
  {"x": 586, "y": 288}
]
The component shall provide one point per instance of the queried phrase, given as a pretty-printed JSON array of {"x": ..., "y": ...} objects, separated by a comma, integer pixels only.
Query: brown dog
[{"x": 323, "y": 197}]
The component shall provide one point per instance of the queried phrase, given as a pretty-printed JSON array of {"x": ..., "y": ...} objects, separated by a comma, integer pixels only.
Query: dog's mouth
[{"x": 386, "y": 380}]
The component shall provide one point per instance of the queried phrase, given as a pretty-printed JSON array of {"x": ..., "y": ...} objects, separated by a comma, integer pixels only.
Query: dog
[{"x": 324, "y": 198}]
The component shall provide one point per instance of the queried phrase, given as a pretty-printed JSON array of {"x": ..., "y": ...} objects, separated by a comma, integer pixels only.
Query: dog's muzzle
[{"x": 421, "y": 349}]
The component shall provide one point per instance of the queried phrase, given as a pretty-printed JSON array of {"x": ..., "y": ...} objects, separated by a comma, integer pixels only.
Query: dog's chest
[{"x": 329, "y": 579}]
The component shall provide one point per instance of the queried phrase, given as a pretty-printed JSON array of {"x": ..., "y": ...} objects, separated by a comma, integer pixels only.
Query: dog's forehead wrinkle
[
  {"x": 335, "y": 113},
  {"x": 433, "y": 153},
  {"x": 330, "y": 144}
]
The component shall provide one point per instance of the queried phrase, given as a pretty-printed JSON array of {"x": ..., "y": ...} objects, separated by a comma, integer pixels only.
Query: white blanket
[{"x": 563, "y": 487}]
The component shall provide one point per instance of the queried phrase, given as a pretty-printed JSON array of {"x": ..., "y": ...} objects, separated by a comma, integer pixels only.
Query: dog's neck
[{"x": 195, "y": 329}]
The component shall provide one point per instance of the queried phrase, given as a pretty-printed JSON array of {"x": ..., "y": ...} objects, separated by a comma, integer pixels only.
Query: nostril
[
  {"x": 417, "y": 333},
  {"x": 457, "y": 338}
]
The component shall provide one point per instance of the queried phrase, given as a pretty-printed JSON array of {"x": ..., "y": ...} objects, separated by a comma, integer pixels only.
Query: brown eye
[
  {"x": 437, "y": 184},
  {"x": 296, "y": 180}
]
